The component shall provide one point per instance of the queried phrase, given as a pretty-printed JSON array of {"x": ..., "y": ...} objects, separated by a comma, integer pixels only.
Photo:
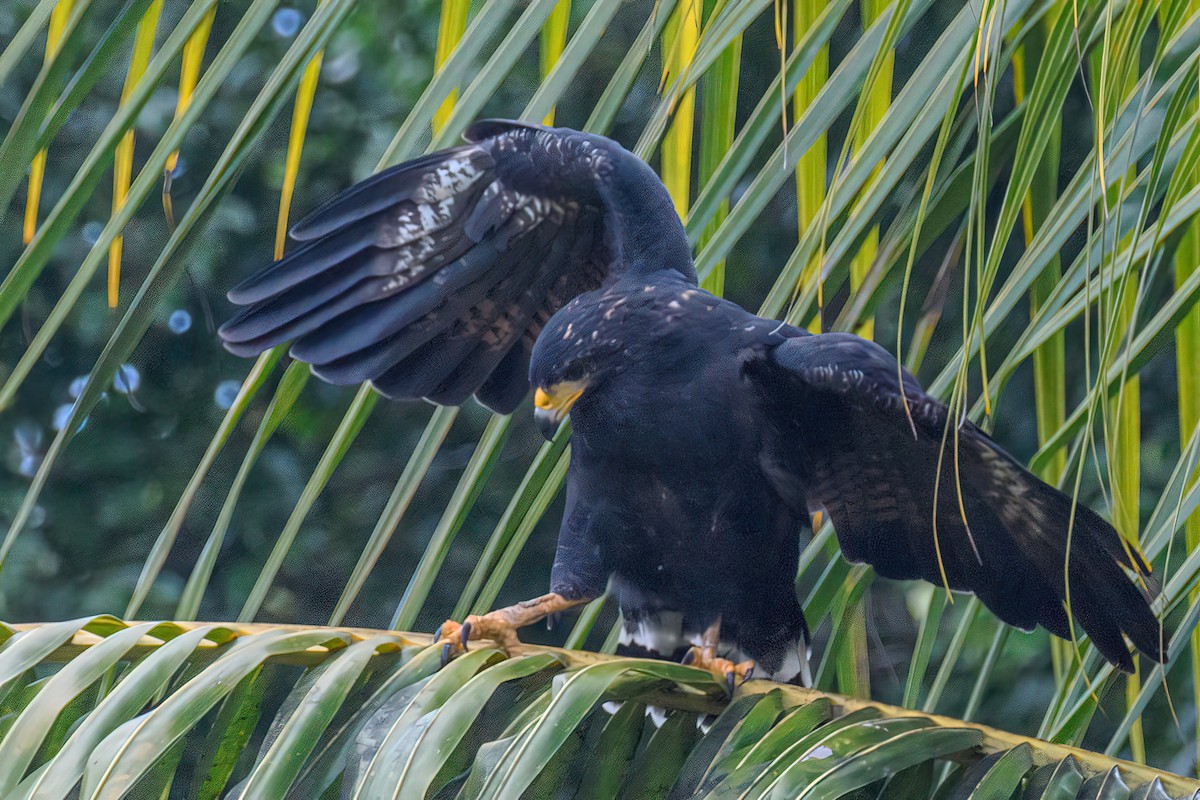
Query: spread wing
[
  {"x": 844, "y": 440},
  {"x": 433, "y": 279}
]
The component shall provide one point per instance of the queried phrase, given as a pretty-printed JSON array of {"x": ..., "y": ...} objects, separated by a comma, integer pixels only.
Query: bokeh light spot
[
  {"x": 180, "y": 321},
  {"x": 286, "y": 22},
  {"x": 226, "y": 393},
  {"x": 127, "y": 380}
]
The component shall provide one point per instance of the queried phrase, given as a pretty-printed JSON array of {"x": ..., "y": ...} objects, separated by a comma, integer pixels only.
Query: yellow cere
[{"x": 559, "y": 397}]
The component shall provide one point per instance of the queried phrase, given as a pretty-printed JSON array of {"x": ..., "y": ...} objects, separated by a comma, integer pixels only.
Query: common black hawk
[{"x": 704, "y": 436}]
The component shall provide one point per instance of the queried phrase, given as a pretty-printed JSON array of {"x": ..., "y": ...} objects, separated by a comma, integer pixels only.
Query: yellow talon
[{"x": 724, "y": 671}]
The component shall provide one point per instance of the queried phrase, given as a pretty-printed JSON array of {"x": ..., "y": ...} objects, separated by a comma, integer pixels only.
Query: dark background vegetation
[{"x": 118, "y": 482}]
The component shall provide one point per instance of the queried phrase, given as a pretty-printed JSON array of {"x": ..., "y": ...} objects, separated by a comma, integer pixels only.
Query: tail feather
[{"x": 781, "y": 655}]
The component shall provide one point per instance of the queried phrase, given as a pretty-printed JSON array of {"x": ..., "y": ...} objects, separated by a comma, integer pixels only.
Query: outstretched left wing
[
  {"x": 898, "y": 498},
  {"x": 433, "y": 279}
]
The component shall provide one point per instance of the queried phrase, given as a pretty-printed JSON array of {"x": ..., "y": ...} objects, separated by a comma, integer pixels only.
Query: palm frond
[{"x": 316, "y": 712}]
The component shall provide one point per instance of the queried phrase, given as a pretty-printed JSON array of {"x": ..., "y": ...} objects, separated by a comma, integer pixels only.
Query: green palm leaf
[{"x": 483, "y": 726}]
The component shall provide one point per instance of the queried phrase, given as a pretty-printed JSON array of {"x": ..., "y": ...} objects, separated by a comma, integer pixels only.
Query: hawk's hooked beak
[{"x": 552, "y": 405}]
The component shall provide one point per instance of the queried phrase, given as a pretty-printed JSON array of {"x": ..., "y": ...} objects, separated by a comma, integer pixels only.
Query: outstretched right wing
[
  {"x": 898, "y": 498},
  {"x": 433, "y": 279}
]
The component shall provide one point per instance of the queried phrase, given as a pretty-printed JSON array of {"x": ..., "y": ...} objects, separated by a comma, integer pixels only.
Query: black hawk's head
[{"x": 582, "y": 346}]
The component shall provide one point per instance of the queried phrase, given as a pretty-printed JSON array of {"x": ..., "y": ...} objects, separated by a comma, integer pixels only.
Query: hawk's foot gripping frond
[
  {"x": 501, "y": 625},
  {"x": 724, "y": 671},
  {"x": 704, "y": 656}
]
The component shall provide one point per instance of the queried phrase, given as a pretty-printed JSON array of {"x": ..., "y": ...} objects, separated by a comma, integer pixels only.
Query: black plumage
[{"x": 703, "y": 436}]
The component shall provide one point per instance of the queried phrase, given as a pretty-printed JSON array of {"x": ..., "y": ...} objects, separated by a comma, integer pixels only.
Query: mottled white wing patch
[{"x": 452, "y": 176}]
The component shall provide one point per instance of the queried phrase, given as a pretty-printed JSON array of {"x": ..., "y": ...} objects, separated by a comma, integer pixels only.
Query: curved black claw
[
  {"x": 464, "y": 635},
  {"x": 688, "y": 657},
  {"x": 437, "y": 635},
  {"x": 730, "y": 682},
  {"x": 749, "y": 675},
  {"x": 447, "y": 650}
]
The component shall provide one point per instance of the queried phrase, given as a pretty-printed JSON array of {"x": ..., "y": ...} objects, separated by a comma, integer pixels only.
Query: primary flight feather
[{"x": 703, "y": 436}]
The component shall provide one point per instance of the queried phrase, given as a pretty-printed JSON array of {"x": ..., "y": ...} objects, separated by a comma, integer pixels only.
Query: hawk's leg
[
  {"x": 501, "y": 625},
  {"x": 723, "y": 670}
]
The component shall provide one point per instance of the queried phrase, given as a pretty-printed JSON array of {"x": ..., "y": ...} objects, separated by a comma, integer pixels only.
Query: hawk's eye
[{"x": 577, "y": 370}]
